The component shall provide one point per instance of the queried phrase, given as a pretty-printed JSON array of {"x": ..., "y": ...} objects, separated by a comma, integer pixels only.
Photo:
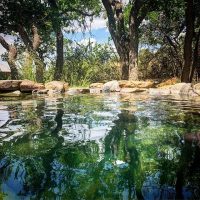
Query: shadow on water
[{"x": 84, "y": 147}]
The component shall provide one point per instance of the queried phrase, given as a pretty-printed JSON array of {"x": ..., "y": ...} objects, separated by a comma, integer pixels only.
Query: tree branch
[
  {"x": 4, "y": 43},
  {"x": 36, "y": 38}
]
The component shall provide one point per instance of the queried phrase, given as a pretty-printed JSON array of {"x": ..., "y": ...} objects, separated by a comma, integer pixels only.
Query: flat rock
[
  {"x": 16, "y": 93},
  {"x": 10, "y": 85},
  {"x": 136, "y": 84},
  {"x": 159, "y": 92},
  {"x": 29, "y": 86},
  {"x": 169, "y": 82},
  {"x": 111, "y": 86},
  {"x": 57, "y": 85},
  {"x": 132, "y": 90},
  {"x": 96, "y": 85},
  {"x": 181, "y": 89}
]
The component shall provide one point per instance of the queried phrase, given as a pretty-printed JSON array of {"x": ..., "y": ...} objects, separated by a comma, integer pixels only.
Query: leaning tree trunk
[
  {"x": 40, "y": 66},
  {"x": 32, "y": 47},
  {"x": 12, "y": 54},
  {"x": 60, "y": 57},
  {"x": 118, "y": 33},
  {"x": 188, "y": 42}
]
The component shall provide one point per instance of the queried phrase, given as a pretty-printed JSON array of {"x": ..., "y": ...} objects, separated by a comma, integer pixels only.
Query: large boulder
[
  {"x": 181, "y": 89},
  {"x": 29, "y": 86},
  {"x": 136, "y": 84},
  {"x": 196, "y": 89},
  {"x": 59, "y": 86},
  {"x": 111, "y": 86},
  {"x": 169, "y": 82},
  {"x": 96, "y": 88},
  {"x": 10, "y": 85}
]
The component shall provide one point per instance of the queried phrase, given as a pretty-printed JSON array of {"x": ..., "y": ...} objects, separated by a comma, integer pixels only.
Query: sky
[{"x": 96, "y": 30}]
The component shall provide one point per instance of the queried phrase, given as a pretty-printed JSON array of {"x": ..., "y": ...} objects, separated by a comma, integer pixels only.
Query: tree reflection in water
[{"x": 140, "y": 156}]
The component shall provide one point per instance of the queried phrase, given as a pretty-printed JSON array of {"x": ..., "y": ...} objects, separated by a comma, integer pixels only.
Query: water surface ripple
[{"x": 99, "y": 147}]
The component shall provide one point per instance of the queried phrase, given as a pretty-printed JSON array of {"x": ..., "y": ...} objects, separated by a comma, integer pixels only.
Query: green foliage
[
  {"x": 159, "y": 64},
  {"x": 27, "y": 70},
  {"x": 85, "y": 64}
]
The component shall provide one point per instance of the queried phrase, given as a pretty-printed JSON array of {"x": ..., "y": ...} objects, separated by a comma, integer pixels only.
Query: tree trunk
[
  {"x": 12, "y": 54},
  {"x": 118, "y": 34},
  {"x": 32, "y": 47},
  {"x": 188, "y": 41},
  {"x": 40, "y": 66},
  {"x": 196, "y": 58},
  {"x": 59, "y": 40},
  {"x": 134, "y": 42},
  {"x": 60, "y": 58},
  {"x": 125, "y": 69}
]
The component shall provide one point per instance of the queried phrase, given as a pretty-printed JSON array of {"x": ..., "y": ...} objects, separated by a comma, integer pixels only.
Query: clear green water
[{"x": 99, "y": 147}]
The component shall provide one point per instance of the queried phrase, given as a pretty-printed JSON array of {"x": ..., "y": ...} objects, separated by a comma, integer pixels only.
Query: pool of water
[{"x": 99, "y": 147}]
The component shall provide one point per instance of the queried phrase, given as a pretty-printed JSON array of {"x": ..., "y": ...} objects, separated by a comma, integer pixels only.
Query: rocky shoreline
[{"x": 149, "y": 88}]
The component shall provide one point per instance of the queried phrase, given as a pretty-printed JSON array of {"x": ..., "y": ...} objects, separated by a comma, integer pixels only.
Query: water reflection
[{"x": 87, "y": 147}]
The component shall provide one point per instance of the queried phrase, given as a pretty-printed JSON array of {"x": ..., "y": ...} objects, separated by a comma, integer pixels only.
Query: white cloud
[
  {"x": 95, "y": 24},
  {"x": 98, "y": 23},
  {"x": 86, "y": 41},
  {"x": 9, "y": 39}
]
